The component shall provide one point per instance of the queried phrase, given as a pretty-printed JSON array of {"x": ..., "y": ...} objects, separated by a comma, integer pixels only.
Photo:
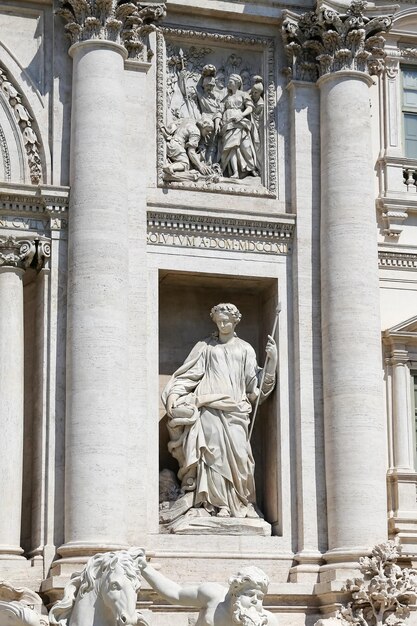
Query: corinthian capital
[
  {"x": 323, "y": 41},
  {"x": 16, "y": 252},
  {"x": 125, "y": 23}
]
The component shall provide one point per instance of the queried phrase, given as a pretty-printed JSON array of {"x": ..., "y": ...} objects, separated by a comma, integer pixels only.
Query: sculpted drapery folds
[
  {"x": 232, "y": 148},
  {"x": 238, "y": 156},
  {"x": 209, "y": 400}
]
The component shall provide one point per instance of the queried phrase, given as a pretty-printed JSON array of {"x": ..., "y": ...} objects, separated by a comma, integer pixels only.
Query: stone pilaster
[
  {"x": 400, "y": 408},
  {"x": 341, "y": 51},
  {"x": 308, "y": 417},
  {"x": 15, "y": 255},
  {"x": 97, "y": 429}
]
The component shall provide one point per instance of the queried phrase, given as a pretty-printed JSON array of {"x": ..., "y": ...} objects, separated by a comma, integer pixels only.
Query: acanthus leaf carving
[
  {"x": 323, "y": 41},
  {"x": 125, "y": 23},
  {"x": 30, "y": 137}
]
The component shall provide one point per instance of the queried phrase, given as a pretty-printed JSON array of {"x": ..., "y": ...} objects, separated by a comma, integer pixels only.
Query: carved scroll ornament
[{"x": 22, "y": 253}]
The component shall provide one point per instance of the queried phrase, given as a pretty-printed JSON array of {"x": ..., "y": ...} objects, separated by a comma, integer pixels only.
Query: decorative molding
[
  {"x": 392, "y": 67},
  {"x": 30, "y": 136},
  {"x": 5, "y": 156},
  {"x": 408, "y": 52},
  {"x": 393, "y": 218},
  {"x": 399, "y": 357},
  {"x": 210, "y": 233},
  {"x": 397, "y": 260},
  {"x": 265, "y": 45},
  {"x": 125, "y": 23},
  {"x": 323, "y": 41},
  {"x": 224, "y": 39},
  {"x": 37, "y": 209},
  {"x": 24, "y": 253},
  {"x": 43, "y": 252}
]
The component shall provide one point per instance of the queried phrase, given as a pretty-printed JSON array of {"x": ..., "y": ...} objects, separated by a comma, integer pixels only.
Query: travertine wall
[{"x": 126, "y": 265}]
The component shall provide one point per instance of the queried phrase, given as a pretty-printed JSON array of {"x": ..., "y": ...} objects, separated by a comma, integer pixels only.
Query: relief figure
[
  {"x": 210, "y": 104},
  {"x": 231, "y": 96},
  {"x": 238, "y": 157},
  {"x": 184, "y": 140}
]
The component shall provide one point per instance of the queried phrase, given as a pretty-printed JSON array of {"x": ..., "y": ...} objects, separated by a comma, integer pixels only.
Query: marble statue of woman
[
  {"x": 238, "y": 157},
  {"x": 208, "y": 401}
]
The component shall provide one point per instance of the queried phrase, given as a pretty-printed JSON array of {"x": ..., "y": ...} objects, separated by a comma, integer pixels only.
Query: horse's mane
[{"x": 88, "y": 580}]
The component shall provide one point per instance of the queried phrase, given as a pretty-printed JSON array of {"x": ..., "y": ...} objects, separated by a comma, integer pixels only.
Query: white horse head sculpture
[{"x": 103, "y": 594}]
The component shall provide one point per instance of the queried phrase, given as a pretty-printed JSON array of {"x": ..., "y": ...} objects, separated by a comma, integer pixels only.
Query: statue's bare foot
[
  {"x": 223, "y": 512},
  {"x": 235, "y": 175},
  {"x": 251, "y": 512}
]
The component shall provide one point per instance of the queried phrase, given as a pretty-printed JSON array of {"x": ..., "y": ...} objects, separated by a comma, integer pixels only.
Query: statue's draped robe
[{"x": 212, "y": 447}]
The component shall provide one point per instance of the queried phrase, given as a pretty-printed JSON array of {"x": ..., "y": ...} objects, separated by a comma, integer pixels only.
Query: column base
[
  {"x": 8, "y": 552},
  {"x": 342, "y": 563},
  {"x": 76, "y": 550},
  {"x": 307, "y": 568}
]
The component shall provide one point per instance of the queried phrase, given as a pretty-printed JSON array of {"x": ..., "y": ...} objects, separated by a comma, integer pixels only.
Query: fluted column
[
  {"x": 96, "y": 487},
  {"x": 15, "y": 255},
  {"x": 345, "y": 49}
]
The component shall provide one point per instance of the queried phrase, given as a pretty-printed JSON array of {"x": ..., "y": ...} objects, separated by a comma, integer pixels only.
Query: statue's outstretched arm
[{"x": 185, "y": 595}]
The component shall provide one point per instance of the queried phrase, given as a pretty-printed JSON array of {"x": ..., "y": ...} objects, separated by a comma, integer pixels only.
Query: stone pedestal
[{"x": 355, "y": 438}]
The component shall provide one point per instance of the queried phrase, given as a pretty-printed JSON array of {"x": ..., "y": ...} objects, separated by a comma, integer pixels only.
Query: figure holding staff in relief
[{"x": 209, "y": 400}]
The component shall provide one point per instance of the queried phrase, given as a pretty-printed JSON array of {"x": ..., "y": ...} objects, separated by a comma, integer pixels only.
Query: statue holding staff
[{"x": 209, "y": 400}]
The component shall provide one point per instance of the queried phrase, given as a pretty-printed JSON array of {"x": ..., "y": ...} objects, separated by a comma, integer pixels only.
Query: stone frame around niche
[
  {"x": 234, "y": 42},
  {"x": 199, "y": 292}
]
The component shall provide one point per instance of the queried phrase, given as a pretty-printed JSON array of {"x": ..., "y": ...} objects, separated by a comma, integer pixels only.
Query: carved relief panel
[{"x": 216, "y": 112}]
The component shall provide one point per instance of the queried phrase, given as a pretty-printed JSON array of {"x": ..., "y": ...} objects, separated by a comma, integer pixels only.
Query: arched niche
[{"x": 185, "y": 301}]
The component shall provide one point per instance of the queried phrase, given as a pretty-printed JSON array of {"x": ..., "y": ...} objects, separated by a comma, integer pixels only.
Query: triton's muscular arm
[{"x": 197, "y": 596}]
